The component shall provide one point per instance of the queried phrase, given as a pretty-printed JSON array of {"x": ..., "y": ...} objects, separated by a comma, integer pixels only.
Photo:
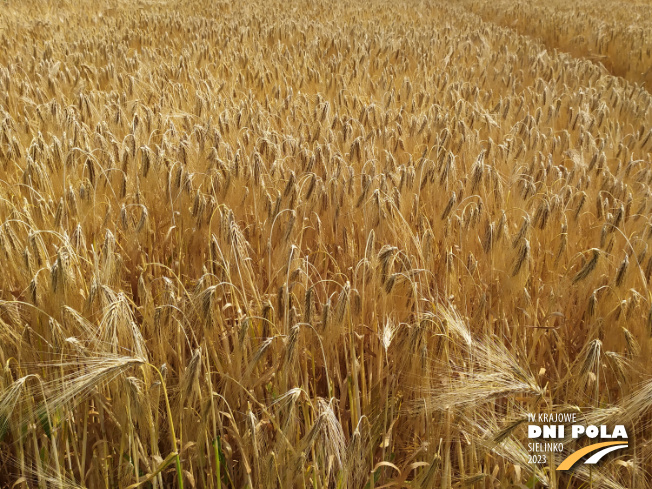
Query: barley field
[{"x": 338, "y": 244}]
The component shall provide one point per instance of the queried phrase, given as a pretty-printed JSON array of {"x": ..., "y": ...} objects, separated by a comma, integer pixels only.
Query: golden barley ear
[{"x": 590, "y": 265}]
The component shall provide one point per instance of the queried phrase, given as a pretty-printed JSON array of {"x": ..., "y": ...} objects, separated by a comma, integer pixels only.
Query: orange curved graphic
[{"x": 574, "y": 457}]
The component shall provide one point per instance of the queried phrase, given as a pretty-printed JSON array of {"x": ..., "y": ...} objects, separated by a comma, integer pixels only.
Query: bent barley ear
[
  {"x": 588, "y": 267},
  {"x": 521, "y": 258}
]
